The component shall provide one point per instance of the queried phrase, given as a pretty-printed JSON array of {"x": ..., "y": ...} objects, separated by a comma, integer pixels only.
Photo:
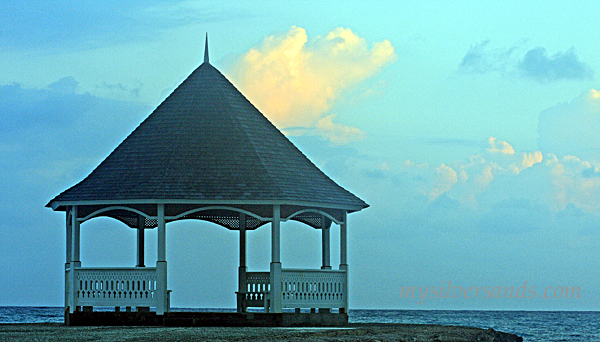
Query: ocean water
[{"x": 533, "y": 326}]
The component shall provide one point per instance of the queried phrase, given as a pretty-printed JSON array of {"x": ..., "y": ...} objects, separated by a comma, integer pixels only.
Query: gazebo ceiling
[{"x": 207, "y": 145}]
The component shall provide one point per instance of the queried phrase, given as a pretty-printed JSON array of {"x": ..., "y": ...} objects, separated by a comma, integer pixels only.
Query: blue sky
[{"x": 469, "y": 127}]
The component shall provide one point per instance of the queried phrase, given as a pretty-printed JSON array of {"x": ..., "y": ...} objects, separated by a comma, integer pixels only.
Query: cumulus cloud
[
  {"x": 572, "y": 183},
  {"x": 295, "y": 82},
  {"x": 499, "y": 146},
  {"x": 538, "y": 65},
  {"x": 467, "y": 179},
  {"x": 534, "y": 64},
  {"x": 446, "y": 178},
  {"x": 572, "y": 127}
]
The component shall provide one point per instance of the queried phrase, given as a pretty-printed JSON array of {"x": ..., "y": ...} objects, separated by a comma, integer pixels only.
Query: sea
[{"x": 533, "y": 326}]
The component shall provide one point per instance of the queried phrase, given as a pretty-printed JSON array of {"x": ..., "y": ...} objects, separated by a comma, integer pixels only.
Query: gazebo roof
[{"x": 207, "y": 144}]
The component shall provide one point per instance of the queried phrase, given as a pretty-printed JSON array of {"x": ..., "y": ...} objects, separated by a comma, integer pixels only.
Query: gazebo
[{"x": 207, "y": 153}]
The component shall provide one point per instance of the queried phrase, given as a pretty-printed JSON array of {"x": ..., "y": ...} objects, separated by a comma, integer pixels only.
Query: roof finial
[{"x": 206, "y": 49}]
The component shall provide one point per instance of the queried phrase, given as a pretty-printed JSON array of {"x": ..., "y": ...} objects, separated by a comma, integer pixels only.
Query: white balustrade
[
  {"x": 301, "y": 288},
  {"x": 257, "y": 288},
  {"x": 121, "y": 286},
  {"x": 313, "y": 288}
]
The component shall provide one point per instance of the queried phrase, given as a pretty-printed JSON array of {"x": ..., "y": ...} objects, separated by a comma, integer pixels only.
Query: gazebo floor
[{"x": 206, "y": 319}]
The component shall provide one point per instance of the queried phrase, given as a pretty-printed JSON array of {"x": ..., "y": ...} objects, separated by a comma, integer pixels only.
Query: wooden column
[
  {"x": 76, "y": 237},
  {"x": 161, "y": 263},
  {"x": 344, "y": 257},
  {"x": 325, "y": 244},
  {"x": 344, "y": 242},
  {"x": 275, "y": 269},
  {"x": 69, "y": 246},
  {"x": 140, "y": 241},
  {"x": 69, "y": 249},
  {"x": 75, "y": 256},
  {"x": 243, "y": 268}
]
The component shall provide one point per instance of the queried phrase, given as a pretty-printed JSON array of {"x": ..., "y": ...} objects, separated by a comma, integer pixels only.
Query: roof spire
[{"x": 206, "y": 49}]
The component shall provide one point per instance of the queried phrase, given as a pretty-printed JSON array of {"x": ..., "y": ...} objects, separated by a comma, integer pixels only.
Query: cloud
[
  {"x": 572, "y": 127},
  {"x": 480, "y": 60},
  {"x": 499, "y": 146},
  {"x": 466, "y": 180},
  {"x": 295, "y": 82},
  {"x": 49, "y": 26},
  {"x": 66, "y": 85},
  {"x": 499, "y": 191},
  {"x": 338, "y": 133},
  {"x": 572, "y": 183},
  {"x": 446, "y": 178},
  {"x": 534, "y": 63},
  {"x": 538, "y": 65},
  {"x": 119, "y": 90},
  {"x": 42, "y": 129}
]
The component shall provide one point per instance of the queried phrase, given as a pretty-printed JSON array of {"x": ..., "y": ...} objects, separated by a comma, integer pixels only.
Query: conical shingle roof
[{"x": 206, "y": 143}]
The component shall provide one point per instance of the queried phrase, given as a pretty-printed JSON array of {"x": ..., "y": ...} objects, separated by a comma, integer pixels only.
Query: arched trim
[
  {"x": 320, "y": 212},
  {"x": 189, "y": 212},
  {"x": 103, "y": 210}
]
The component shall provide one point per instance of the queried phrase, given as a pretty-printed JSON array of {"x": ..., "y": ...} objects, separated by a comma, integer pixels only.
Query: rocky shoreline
[{"x": 353, "y": 332}]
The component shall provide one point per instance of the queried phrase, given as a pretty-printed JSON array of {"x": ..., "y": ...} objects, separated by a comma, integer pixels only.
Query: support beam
[
  {"x": 162, "y": 305},
  {"x": 275, "y": 269},
  {"x": 325, "y": 243},
  {"x": 140, "y": 241},
  {"x": 242, "y": 286}
]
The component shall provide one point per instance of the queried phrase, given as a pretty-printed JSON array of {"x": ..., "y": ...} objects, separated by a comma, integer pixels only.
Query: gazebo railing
[
  {"x": 313, "y": 288},
  {"x": 120, "y": 286},
  {"x": 300, "y": 288},
  {"x": 257, "y": 288}
]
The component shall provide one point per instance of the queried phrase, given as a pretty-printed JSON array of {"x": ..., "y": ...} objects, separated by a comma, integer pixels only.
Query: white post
[
  {"x": 140, "y": 241},
  {"x": 69, "y": 238},
  {"x": 161, "y": 263},
  {"x": 69, "y": 255},
  {"x": 75, "y": 257},
  {"x": 76, "y": 236},
  {"x": 344, "y": 256},
  {"x": 242, "y": 286},
  {"x": 275, "y": 270},
  {"x": 326, "y": 244},
  {"x": 344, "y": 242}
]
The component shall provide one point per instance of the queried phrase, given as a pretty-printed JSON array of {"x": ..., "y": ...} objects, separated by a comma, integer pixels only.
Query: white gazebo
[{"x": 206, "y": 153}]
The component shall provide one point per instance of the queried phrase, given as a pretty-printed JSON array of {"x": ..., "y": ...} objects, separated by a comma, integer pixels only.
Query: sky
[{"x": 469, "y": 127}]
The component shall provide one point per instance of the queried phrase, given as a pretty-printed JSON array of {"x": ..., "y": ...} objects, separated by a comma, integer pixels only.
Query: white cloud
[
  {"x": 336, "y": 132},
  {"x": 446, "y": 178},
  {"x": 499, "y": 146},
  {"x": 295, "y": 82},
  {"x": 572, "y": 183}
]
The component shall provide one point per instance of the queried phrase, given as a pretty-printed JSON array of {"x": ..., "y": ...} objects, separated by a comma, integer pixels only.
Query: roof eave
[{"x": 61, "y": 205}]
